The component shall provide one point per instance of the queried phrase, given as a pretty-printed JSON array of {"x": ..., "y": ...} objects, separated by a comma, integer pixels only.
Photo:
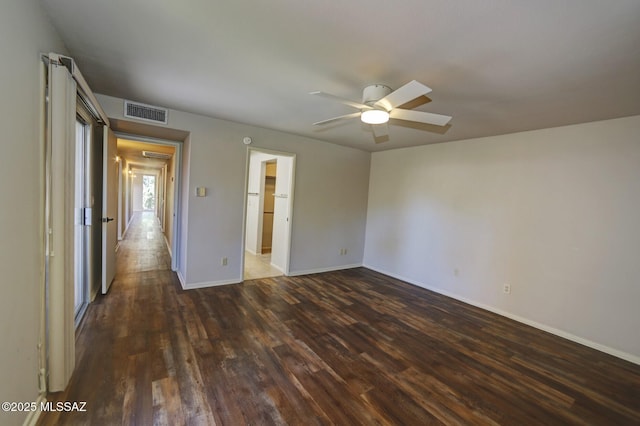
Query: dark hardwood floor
[{"x": 347, "y": 348}]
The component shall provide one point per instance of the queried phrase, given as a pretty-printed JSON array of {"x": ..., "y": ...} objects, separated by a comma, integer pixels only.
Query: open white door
[{"x": 109, "y": 208}]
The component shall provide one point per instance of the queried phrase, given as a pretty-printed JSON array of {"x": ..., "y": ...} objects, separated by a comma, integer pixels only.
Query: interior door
[{"x": 109, "y": 208}]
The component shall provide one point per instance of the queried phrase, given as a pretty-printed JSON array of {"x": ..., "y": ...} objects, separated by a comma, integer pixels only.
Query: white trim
[
  {"x": 59, "y": 223},
  {"x": 177, "y": 195},
  {"x": 42, "y": 334},
  {"x": 193, "y": 286},
  {"x": 560, "y": 333},
  {"x": 166, "y": 242},
  {"x": 276, "y": 267},
  {"x": 33, "y": 416},
  {"x": 327, "y": 269},
  {"x": 126, "y": 228},
  {"x": 83, "y": 86},
  {"x": 182, "y": 280},
  {"x": 292, "y": 179}
]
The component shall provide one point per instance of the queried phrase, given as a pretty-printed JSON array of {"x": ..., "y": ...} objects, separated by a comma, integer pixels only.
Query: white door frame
[
  {"x": 110, "y": 196},
  {"x": 177, "y": 228},
  {"x": 82, "y": 233},
  {"x": 61, "y": 90},
  {"x": 292, "y": 179}
]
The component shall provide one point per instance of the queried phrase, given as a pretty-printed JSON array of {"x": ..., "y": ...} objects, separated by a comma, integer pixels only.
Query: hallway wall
[
  {"x": 170, "y": 202},
  {"x": 25, "y": 33},
  {"x": 124, "y": 198},
  {"x": 136, "y": 192}
]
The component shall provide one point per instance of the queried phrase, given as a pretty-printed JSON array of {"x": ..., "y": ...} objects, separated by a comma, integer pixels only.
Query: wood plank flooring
[{"x": 347, "y": 348}]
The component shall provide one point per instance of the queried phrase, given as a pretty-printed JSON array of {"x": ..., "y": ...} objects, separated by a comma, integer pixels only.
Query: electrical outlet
[
  {"x": 344, "y": 251},
  {"x": 456, "y": 272},
  {"x": 223, "y": 261},
  {"x": 506, "y": 289}
]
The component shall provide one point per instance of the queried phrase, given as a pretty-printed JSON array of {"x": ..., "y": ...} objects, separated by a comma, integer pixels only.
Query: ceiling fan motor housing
[{"x": 375, "y": 92}]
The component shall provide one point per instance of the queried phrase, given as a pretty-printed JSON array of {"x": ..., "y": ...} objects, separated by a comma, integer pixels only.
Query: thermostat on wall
[{"x": 246, "y": 140}]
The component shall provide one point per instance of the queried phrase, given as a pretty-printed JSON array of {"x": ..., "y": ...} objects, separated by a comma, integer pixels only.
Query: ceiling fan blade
[
  {"x": 404, "y": 94},
  {"x": 380, "y": 130},
  {"x": 419, "y": 116},
  {"x": 329, "y": 120},
  {"x": 341, "y": 100}
]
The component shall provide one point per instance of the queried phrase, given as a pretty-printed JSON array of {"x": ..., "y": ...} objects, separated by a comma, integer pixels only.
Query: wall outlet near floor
[
  {"x": 224, "y": 261},
  {"x": 343, "y": 251},
  {"x": 506, "y": 288}
]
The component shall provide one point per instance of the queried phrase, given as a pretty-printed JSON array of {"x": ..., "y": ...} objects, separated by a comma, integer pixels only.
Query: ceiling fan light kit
[
  {"x": 374, "y": 116},
  {"x": 380, "y": 102}
]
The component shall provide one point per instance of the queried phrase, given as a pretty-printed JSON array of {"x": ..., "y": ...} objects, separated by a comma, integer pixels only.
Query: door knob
[{"x": 107, "y": 219}]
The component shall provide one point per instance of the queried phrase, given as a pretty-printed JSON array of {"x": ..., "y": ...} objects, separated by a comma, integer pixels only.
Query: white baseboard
[
  {"x": 126, "y": 228},
  {"x": 561, "y": 333},
  {"x": 192, "y": 286},
  {"x": 166, "y": 242},
  {"x": 273, "y": 265},
  {"x": 33, "y": 416},
  {"x": 181, "y": 279},
  {"x": 320, "y": 270}
]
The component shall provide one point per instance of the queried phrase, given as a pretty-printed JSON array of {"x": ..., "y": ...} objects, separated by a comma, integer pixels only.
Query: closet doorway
[{"x": 269, "y": 207}]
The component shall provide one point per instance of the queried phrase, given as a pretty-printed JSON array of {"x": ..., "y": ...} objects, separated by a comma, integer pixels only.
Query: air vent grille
[
  {"x": 158, "y": 155},
  {"x": 145, "y": 112}
]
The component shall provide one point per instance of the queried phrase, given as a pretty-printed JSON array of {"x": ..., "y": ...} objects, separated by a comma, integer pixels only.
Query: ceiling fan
[{"x": 380, "y": 103}]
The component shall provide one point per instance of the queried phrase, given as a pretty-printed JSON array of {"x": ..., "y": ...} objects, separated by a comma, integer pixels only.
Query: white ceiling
[{"x": 496, "y": 66}]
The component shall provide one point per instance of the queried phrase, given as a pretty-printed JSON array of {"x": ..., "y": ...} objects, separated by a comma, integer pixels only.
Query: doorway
[
  {"x": 81, "y": 236},
  {"x": 268, "y": 206},
  {"x": 148, "y": 192},
  {"x": 268, "y": 213},
  {"x": 151, "y": 171},
  {"x": 86, "y": 201}
]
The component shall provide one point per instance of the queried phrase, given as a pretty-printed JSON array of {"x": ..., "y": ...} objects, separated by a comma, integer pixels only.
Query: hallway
[{"x": 143, "y": 248}]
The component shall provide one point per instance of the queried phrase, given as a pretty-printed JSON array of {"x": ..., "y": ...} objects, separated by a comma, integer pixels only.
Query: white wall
[
  {"x": 25, "y": 32},
  {"x": 553, "y": 212},
  {"x": 330, "y": 197}
]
